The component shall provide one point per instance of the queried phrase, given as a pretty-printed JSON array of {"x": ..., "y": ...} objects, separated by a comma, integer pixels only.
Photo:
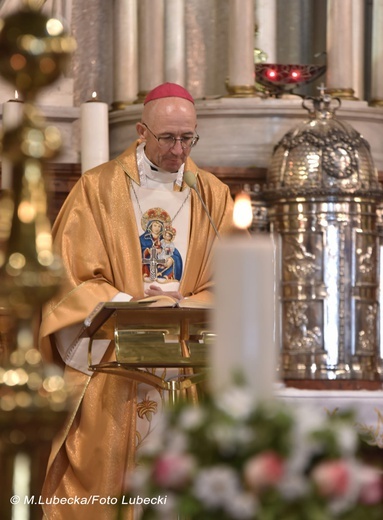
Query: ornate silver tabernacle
[{"x": 323, "y": 196}]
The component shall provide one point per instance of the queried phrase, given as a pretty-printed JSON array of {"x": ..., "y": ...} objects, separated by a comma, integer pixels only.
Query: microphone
[{"x": 191, "y": 181}]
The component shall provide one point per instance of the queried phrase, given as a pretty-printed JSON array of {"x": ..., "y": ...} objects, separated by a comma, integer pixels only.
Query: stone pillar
[
  {"x": 289, "y": 31},
  {"x": 125, "y": 53},
  {"x": 241, "y": 82},
  {"x": 207, "y": 47},
  {"x": 340, "y": 76},
  {"x": 151, "y": 45},
  {"x": 377, "y": 54},
  {"x": 175, "y": 70},
  {"x": 92, "y": 63},
  {"x": 266, "y": 28},
  {"x": 358, "y": 28}
]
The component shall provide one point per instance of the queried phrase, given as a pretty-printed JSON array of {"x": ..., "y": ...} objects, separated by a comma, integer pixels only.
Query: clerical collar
[{"x": 149, "y": 170}]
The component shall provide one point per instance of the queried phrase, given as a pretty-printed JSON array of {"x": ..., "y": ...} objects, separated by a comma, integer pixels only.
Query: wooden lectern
[{"x": 147, "y": 337}]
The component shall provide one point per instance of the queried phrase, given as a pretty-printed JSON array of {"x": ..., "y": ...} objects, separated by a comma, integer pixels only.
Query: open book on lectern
[
  {"x": 168, "y": 301},
  {"x": 104, "y": 310}
]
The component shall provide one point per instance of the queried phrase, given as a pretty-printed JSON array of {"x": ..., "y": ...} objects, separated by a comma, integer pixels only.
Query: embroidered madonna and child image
[{"x": 161, "y": 260}]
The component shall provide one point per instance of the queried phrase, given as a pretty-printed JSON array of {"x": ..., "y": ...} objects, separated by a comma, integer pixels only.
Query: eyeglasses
[{"x": 168, "y": 141}]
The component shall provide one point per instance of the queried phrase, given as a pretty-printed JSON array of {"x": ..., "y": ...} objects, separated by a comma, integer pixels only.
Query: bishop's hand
[{"x": 154, "y": 290}]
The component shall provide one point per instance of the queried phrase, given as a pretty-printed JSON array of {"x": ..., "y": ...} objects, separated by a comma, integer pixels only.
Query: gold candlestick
[{"x": 33, "y": 397}]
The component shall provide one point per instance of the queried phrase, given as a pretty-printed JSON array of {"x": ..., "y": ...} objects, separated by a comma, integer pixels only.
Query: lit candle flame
[
  {"x": 16, "y": 95},
  {"x": 243, "y": 212},
  {"x": 94, "y": 95}
]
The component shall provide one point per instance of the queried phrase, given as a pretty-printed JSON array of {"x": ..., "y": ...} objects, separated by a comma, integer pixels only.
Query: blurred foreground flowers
[{"x": 229, "y": 460}]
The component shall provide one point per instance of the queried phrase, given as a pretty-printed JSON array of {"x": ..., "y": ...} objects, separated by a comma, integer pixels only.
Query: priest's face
[{"x": 164, "y": 120}]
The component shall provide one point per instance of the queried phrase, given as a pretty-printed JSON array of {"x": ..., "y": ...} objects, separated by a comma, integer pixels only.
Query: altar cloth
[{"x": 367, "y": 406}]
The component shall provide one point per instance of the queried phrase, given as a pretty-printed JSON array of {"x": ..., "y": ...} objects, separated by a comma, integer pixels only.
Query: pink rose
[
  {"x": 263, "y": 470},
  {"x": 371, "y": 485},
  {"x": 173, "y": 470},
  {"x": 332, "y": 477}
]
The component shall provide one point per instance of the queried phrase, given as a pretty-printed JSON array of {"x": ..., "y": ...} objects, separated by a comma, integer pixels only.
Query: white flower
[
  {"x": 225, "y": 436},
  {"x": 191, "y": 418},
  {"x": 242, "y": 506},
  {"x": 347, "y": 439},
  {"x": 237, "y": 402},
  {"x": 308, "y": 419},
  {"x": 216, "y": 486}
]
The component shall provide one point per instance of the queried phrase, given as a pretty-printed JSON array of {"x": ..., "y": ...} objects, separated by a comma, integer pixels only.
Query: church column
[
  {"x": 266, "y": 29},
  {"x": 241, "y": 48},
  {"x": 358, "y": 47},
  {"x": 377, "y": 54},
  {"x": 340, "y": 77},
  {"x": 125, "y": 53},
  {"x": 175, "y": 41},
  {"x": 151, "y": 45}
]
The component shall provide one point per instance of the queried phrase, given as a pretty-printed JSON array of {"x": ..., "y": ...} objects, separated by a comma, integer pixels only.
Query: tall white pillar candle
[
  {"x": 244, "y": 315},
  {"x": 94, "y": 133},
  {"x": 12, "y": 117}
]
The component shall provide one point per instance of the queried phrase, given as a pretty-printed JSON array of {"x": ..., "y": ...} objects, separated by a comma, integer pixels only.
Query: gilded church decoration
[
  {"x": 299, "y": 335},
  {"x": 299, "y": 261},
  {"x": 323, "y": 196},
  {"x": 336, "y": 148},
  {"x": 367, "y": 336}
]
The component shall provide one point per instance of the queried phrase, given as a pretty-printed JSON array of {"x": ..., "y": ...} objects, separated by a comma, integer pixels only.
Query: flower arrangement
[{"x": 227, "y": 459}]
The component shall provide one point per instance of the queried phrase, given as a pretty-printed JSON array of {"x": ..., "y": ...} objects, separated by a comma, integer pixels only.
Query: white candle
[
  {"x": 11, "y": 118},
  {"x": 12, "y": 113},
  {"x": 94, "y": 133},
  {"x": 244, "y": 315}
]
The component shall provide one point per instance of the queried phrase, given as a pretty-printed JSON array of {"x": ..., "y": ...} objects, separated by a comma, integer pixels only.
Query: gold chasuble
[{"x": 97, "y": 238}]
